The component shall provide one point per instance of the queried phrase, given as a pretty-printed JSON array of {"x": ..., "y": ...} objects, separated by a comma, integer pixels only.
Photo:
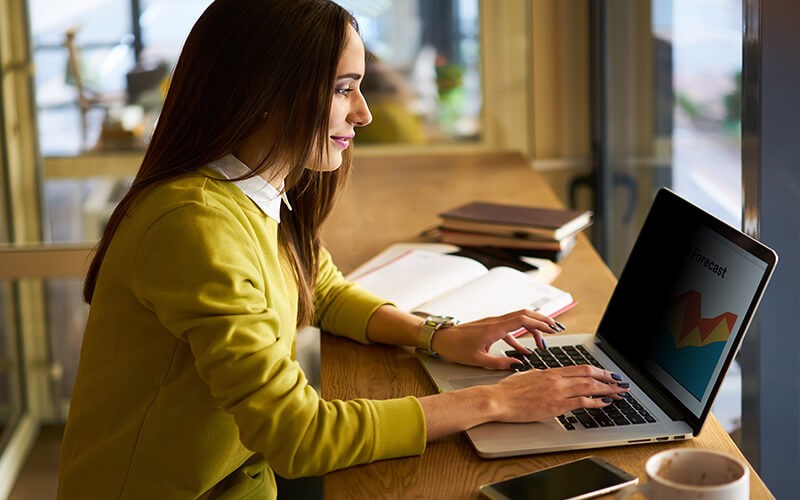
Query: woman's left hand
[{"x": 469, "y": 343}]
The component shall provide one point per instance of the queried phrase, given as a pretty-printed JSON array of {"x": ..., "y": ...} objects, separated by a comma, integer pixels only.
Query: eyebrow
[{"x": 351, "y": 76}]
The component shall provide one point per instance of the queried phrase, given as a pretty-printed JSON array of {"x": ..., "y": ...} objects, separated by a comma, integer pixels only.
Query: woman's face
[{"x": 348, "y": 106}]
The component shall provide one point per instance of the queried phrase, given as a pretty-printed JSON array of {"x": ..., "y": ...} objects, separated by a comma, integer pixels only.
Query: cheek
[{"x": 338, "y": 114}]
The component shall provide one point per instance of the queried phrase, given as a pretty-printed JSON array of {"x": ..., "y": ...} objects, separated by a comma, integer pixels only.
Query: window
[
  {"x": 706, "y": 41},
  {"x": 101, "y": 67},
  {"x": 423, "y": 75}
]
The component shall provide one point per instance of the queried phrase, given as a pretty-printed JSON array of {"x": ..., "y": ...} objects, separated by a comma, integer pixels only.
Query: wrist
[
  {"x": 428, "y": 330},
  {"x": 438, "y": 334},
  {"x": 493, "y": 408},
  {"x": 485, "y": 406}
]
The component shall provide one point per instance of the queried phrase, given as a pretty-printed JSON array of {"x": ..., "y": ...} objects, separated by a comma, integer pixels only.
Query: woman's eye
[{"x": 344, "y": 91}]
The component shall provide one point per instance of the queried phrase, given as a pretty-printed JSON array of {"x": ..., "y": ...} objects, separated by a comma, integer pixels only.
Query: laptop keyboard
[{"x": 621, "y": 412}]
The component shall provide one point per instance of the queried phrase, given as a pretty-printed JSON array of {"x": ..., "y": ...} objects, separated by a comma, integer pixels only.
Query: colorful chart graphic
[{"x": 688, "y": 345}]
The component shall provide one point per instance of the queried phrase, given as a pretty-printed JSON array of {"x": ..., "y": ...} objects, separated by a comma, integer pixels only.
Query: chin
[{"x": 331, "y": 163}]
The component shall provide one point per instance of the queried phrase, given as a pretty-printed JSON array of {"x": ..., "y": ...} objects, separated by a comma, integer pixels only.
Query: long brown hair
[{"x": 246, "y": 66}]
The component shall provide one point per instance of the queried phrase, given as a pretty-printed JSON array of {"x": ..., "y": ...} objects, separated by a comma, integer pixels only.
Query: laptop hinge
[{"x": 670, "y": 407}]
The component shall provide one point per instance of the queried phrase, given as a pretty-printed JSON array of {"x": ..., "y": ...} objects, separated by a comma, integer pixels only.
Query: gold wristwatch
[{"x": 429, "y": 327}]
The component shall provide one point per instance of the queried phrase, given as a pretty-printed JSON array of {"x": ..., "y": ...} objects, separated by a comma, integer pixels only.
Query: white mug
[{"x": 690, "y": 473}]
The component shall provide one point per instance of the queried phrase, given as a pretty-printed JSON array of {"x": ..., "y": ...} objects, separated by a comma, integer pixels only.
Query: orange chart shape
[{"x": 689, "y": 329}]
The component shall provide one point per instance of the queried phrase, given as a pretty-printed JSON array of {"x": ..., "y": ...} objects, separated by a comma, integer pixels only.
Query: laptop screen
[{"x": 684, "y": 300}]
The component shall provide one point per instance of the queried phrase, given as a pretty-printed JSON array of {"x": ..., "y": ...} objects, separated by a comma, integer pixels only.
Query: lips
[{"x": 343, "y": 141}]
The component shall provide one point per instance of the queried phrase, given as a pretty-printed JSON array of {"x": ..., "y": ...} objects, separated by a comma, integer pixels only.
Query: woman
[{"x": 187, "y": 386}]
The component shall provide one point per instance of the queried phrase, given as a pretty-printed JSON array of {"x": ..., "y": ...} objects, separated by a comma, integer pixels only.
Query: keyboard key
[
  {"x": 587, "y": 421},
  {"x": 536, "y": 362},
  {"x": 521, "y": 358},
  {"x": 636, "y": 419},
  {"x": 604, "y": 421}
]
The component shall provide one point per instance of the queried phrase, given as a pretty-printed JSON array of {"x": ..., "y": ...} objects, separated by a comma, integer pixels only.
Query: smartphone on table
[{"x": 584, "y": 478}]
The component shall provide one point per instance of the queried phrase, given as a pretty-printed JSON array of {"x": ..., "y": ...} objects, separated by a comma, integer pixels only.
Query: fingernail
[
  {"x": 621, "y": 394},
  {"x": 616, "y": 376},
  {"x": 624, "y": 385},
  {"x": 561, "y": 326},
  {"x": 517, "y": 367},
  {"x": 606, "y": 400}
]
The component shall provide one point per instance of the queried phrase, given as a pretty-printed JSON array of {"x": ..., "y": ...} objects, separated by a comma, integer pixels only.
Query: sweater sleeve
[
  {"x": 197, "y": 268},
  {"x": 342, "y": 307}
]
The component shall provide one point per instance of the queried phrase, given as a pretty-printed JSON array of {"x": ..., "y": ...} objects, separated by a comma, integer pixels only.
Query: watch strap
[{"x": 429, "y": 327}]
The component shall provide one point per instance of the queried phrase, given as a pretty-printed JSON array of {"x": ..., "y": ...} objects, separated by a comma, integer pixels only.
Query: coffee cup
[{"x": 690, "y": 473}]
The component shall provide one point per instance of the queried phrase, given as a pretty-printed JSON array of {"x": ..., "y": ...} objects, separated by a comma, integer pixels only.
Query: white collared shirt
[{"x": 263, "y": 194}]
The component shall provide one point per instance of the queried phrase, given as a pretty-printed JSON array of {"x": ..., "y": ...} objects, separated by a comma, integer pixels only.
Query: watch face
[{"x": 439, "y": 320}]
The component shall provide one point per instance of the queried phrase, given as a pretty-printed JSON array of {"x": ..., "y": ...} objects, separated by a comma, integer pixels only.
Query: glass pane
[
  {"x": 11, "y": 403},
  {"x": 423, "y": 79},
  {"x": 165, "y": 26},
  {"x": 673, "y": 101},
  {"x": 673, "y": 95},
  {"x": 424, "y": 82},
  {"x": 706, "y": 40},
  {"x": 77, "y": 211},
  {"x": 102, "y": 56},
  {"x": 66, "y": 319},
  {"x": 96, "y": 21}
]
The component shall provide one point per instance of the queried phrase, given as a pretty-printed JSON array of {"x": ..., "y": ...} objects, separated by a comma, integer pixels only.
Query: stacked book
[{"x": 520, "y": 230}]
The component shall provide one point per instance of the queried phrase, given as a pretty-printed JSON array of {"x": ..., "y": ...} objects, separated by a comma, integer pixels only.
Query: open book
[{"x": 426, "y": 282}]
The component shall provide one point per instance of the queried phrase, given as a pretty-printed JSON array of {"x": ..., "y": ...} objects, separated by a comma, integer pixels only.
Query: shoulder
[{"x": 198, "y": 193}]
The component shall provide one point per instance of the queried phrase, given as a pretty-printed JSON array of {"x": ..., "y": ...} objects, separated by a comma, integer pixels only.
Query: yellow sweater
[{"x": 187, "y": 385}]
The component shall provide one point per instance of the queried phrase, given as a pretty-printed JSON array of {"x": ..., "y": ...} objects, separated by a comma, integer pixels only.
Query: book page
[
  {"x": 546, "y": 270},
  {"x": 417, "y": 275},
  {"x": 395, "y": 250},
  {"x": 501, "y": 290}
]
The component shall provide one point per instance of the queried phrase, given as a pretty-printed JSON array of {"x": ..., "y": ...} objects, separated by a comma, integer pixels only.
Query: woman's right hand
[
  {"x": 539, "y": 394},
  {"x": 521, "y": 397}
]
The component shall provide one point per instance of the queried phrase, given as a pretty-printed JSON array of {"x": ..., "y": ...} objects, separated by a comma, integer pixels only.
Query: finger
[
  {"x": 537, "y": 337},
  {"x": 590, "y": 371},
  {"x": 589, "y": 387},
  {"x": 519, "y": 332},
  {"x": 513, "y": 342},
  {"x": 496, "y": 362},
  {"x": 587, "y": 402},
  {"x": 531, "y": 320}
]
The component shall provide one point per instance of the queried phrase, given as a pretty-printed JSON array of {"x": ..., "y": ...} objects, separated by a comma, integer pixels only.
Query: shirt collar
[{"x": 263, "y": 194}]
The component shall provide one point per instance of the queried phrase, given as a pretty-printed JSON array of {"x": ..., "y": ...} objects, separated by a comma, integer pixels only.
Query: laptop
[{"x": 672, "y": 327}]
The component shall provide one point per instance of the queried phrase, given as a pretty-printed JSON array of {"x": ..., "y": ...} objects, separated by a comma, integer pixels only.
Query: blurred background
[{"x": 609, "y": 100}]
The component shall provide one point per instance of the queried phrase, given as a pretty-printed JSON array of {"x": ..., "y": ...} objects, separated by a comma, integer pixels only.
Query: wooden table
[{"x": 391, "y": 199}]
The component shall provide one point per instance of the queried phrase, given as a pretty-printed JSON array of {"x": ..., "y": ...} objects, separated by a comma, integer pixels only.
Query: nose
[{"x": 360, "y": 115}]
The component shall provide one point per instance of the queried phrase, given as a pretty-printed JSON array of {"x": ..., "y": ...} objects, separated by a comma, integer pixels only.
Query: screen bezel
[
  {"x": 625, "y": 479},
  {"x": 668, "y": 202}
]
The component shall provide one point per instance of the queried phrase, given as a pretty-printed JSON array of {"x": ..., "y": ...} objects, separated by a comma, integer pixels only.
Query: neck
[{"x": 253, "y": 159}]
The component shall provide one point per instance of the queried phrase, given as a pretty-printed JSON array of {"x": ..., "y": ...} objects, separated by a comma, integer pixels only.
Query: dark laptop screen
[{"x": 684, "y": 299}]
